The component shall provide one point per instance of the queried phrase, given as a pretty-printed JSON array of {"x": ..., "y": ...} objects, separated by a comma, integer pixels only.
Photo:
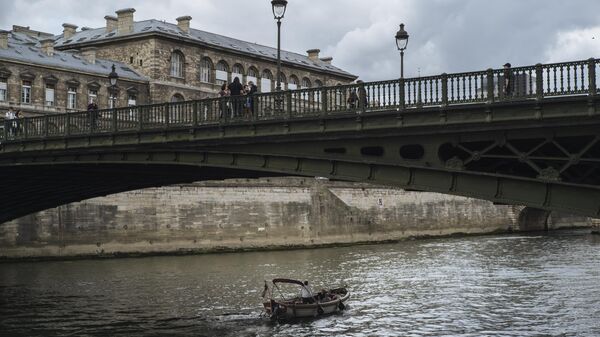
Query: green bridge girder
[{"x": 43, "y": 173}]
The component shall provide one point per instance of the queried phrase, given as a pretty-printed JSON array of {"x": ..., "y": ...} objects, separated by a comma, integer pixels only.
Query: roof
[
  {"x": 87, "y": 37},
  {"x": 25, "y": 48}
]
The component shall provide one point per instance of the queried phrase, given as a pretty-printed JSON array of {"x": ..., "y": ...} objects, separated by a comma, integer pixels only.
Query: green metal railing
[{"x": 530, "y": 82}]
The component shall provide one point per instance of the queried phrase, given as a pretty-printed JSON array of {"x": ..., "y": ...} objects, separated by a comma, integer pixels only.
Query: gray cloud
[{"x": 445, "y": 35}]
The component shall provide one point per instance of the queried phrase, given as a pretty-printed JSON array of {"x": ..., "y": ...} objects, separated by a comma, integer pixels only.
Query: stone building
[
  {"x": 183, "y": 63},
  {"x": 37, "y": 79},
  {"x": 156, "y": 62}
]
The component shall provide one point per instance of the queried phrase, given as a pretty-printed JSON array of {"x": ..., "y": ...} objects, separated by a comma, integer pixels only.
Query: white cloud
[{"x": 578, "y": 44}]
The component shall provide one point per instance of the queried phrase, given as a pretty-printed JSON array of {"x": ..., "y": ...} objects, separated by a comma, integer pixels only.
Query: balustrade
[{"x": 529, "y": 82}]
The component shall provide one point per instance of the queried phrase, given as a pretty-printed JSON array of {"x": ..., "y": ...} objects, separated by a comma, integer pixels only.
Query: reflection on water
[{"x": 478, "y": 286}]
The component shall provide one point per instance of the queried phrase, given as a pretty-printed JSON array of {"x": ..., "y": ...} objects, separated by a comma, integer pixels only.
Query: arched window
[
  {"x": 293, "y": 83},
  {"x": 305, "y": 83},
  {"x": 252, "y": 72},
  {"x": 252, "y": 75},
  {"x": 177, "y": 98},
  {"x": 222, "y": 70},
  {"x": 282, "y": 80},
  {"x": 177, "y": 62},
  {"x": 265, "y": 81},
  {"x": 237, "y": 71},
  {"x": 206, "y": 70}
]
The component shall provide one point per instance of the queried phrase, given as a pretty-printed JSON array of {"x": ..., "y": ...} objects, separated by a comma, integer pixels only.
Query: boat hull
[{"x": 279, "y": 309}]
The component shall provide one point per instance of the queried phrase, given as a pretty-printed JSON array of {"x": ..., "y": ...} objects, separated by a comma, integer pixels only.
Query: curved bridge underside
[{"x": 545, "y": 156}]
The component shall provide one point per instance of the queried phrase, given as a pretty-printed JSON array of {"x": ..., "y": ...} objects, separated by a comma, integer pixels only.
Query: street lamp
[
  {"x": 401, "y": 43},
  {"x": 112, "y": 78},
  {"x": 279, "y": 7}
]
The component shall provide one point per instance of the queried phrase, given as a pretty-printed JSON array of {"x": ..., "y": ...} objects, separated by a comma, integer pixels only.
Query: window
[
  {"x": 72, "y": 98},
  {"x": 112, "y": 99},
  {"x": 176, "y": 98},
  {"x": 26, "y": 92},
  {"x": 293, "y": 84},
  {"x": 282, "y": 81},
  {"x": 177, "y": 64},
  {"x": 305, "y": 83},
  {"x": 205, "y": 70},
  {"x": 222, "y": 70},
  {"x": 92, "y": 96},
  {"x": 265, "y": 81},
  {"x": 252, "y": 75},
  {"x": 237, "y": 71},
  {"x": 131, "y": 100},
  {"x": 3, "y": 90},
  {"x": 49, "y": 95}
]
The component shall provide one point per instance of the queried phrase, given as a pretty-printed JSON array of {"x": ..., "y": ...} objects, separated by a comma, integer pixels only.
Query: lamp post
[
  {"x": 112, "y": 78},
  {"x": 401, "y": 43},
  {"x": 279, "y": 7}
]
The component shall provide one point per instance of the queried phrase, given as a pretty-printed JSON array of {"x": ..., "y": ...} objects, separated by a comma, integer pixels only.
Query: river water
[{"x": 515, "y": 285}]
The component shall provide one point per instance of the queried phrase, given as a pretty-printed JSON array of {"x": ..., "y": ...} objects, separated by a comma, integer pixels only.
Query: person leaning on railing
[
  {"x": 508, "y": 85},
  {"x": 363, "y": 98},
  {"x": 224, "y": 101}
]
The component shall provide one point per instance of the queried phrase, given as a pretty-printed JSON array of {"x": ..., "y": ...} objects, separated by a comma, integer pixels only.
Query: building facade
[
  {"x": 156, "y": 62},
  {"x": 37, "y": 79}
]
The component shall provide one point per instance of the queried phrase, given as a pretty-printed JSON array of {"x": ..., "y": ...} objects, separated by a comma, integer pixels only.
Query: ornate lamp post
[
  {"x": 401, "y": 43},
  {"x": 113, "y": 77},
  {"x": 279, "y": 7}
]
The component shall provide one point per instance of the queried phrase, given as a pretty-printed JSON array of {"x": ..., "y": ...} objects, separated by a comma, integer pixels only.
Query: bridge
[{"x": 461, "y": 134}]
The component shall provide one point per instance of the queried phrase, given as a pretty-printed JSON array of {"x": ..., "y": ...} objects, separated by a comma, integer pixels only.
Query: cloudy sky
[{"x": 445, "y": 35}]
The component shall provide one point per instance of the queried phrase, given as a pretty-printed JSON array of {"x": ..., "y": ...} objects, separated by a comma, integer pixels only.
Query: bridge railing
[{"x": 530, "y": 82}]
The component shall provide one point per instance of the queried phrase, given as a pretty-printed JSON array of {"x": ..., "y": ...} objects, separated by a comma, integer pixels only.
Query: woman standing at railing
[{"x": 224, "y": 101}]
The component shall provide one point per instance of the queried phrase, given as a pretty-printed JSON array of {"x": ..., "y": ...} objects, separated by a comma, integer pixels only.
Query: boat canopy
[{"x": 287, "y": 280}]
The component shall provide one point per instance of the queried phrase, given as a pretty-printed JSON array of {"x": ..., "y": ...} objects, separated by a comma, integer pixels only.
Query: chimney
[
  {"x": 48, "y": 46},
  {"x": 111, "y": 23},
  {"x": 125, "y": 21},
  {"x": 327, "y": 59},
  {"x": 4, "y": 39},
  {"x": 313, "y": 54},
  {"x": 89, "y": 54},
  {"x": 183, "y": 22},
  {"x": 69, "y": 30}
]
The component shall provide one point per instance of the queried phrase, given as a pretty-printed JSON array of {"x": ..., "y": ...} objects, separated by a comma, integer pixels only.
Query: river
[{"x": 505, "y": 285}]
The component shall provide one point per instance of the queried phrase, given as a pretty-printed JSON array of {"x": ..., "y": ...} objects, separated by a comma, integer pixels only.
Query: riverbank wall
[{"x": 234, "y": 215}]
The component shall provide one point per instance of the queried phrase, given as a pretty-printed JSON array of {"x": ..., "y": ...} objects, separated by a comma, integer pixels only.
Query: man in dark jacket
[
  {"x": 253, "y": 90},
  {"x": 235, "y": 88}
]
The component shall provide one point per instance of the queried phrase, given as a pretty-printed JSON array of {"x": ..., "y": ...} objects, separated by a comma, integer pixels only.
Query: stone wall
[{"x": 250, "y": 214}]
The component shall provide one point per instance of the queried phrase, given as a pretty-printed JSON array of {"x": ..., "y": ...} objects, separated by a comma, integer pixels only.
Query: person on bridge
[
  {"x": 9, "y": 121},
  {"x": 92, "y": 109},
  {"x": 224, "y": 101},
  {"x": 253, "y": 90},
  {"x": 352, "y": 99},
  {"x": 363, "y": 98},
  {"x": 508, "y": 85},
  {"x": 235, "y": 89}
]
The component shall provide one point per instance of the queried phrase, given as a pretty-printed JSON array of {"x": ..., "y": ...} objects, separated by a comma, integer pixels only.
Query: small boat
[{"x": 324, "y": 302}]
